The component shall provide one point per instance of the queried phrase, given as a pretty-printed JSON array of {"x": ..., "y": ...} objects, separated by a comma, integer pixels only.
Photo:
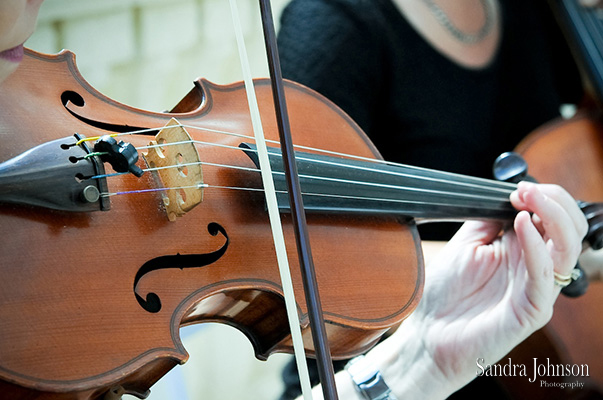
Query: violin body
[
  {"x": 568, "y": 152},
  {"x": 73, "y": 322}
]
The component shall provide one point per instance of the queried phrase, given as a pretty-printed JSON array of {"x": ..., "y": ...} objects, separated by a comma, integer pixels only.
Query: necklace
[{"x": 468, "y": 38}]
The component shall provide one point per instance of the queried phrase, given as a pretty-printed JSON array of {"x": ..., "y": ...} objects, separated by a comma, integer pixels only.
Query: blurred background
[{"x": 146, "y": 54}]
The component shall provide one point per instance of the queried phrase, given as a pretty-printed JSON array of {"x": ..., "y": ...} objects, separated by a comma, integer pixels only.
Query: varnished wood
[{"x": 71, "y": 325}]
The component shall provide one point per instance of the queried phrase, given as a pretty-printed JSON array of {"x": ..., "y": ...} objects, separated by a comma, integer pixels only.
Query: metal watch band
[{"x": 368, "y": 380}]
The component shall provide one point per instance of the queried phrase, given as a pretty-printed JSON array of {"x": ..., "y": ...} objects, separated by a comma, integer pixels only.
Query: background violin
[
  {"x": 569, "y": 152},
  {"x": 582, "y": 175}
]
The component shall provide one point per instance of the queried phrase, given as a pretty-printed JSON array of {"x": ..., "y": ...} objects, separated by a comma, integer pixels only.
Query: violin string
[
  {"x": 352, "y": 156},
  {"x": 160, "y": 145},
  {"x": 350, "y": 197},
  {"x": 494, "y": 190},
  {"x": 109, "y": 194},
  {"x": 496, "y": 200},
  {"x": 459, "y": 194},
  {"x": 452, "y": 175},
  {"x": 502, "y": 187},
  {"x": 129, "y": 133},
  {"x": 336, "y": 196}
]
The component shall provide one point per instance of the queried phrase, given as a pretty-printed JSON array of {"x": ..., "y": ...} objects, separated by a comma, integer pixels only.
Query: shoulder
[
  {"x": 326, "y": 28},
  {"x": 336, "y": 47},
  {"x": 322, "y": 39},
  {"x": 333, "y": 6},
  {"x": 367, "y": 15}
]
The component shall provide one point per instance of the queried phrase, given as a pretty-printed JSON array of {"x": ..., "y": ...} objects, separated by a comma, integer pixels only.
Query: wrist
[
  {"x": 368, "y": 381},
  {"x": 407, "y": 365}
]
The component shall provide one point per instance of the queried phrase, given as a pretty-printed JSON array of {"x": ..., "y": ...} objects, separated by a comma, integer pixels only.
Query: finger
[
  {"x": 566, "y": 244},
  {"x": 557, "y": 194},
  {"x": 518, "y": 202},
  {"x": 537, "y": 221},
  {"x": 570, "y": 205},
  {"x": 483, "y": 232},
  {"x": 539, "y": 285}
]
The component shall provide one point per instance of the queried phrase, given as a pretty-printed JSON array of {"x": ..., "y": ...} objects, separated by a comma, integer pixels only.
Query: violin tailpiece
[{"x": 175, "y": 163}]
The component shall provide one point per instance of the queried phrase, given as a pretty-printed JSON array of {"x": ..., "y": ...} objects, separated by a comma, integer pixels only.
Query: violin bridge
[{"x": 175, "y": 163}]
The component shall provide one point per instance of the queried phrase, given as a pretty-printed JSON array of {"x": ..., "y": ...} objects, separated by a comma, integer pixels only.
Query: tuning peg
[{"x": 511, "y": 167}]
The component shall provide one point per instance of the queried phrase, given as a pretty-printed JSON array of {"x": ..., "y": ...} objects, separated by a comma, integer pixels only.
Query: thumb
[{"x": 482, "y": 232}]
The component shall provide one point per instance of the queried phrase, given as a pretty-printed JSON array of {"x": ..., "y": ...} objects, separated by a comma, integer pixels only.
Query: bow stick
[
  {"x": 317, "y": 324},
  {"x": 304, "y": 253}
]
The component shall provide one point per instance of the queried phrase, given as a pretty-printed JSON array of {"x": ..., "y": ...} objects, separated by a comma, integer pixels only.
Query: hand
[{"x": 486, "y": 292}]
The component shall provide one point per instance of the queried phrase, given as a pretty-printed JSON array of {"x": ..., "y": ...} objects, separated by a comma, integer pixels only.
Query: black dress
[{"x": 417, "y": 106}]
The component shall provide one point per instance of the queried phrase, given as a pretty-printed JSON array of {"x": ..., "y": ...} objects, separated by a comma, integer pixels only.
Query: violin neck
[
  {"x": 583, "y": 28},
  {"x": 341, "y": 185}
]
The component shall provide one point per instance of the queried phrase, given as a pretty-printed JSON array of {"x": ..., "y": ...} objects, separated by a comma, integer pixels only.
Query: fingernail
[
  {"x": 525, "y": 185},
  {"x": 522, "y": 189}
]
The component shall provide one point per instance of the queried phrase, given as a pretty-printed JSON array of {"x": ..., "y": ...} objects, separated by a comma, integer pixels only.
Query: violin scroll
[{"x": 594, "y": 216}]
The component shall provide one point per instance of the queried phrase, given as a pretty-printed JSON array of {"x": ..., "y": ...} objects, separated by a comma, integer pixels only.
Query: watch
[{"x": 368, "y": 380}]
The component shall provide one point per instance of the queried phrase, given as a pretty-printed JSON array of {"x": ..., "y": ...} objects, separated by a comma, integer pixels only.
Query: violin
[
  {"x": 106, "y": 316},
  {"x": 127, "y": 224}
]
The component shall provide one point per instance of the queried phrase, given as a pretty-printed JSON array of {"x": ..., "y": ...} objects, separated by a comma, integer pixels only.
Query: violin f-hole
[
  {"x": 151, "y": 302},
  {"x": 72, "y": 100}
]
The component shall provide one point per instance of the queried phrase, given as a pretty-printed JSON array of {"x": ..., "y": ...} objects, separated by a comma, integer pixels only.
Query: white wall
[{"x": 146, "y": 53}]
